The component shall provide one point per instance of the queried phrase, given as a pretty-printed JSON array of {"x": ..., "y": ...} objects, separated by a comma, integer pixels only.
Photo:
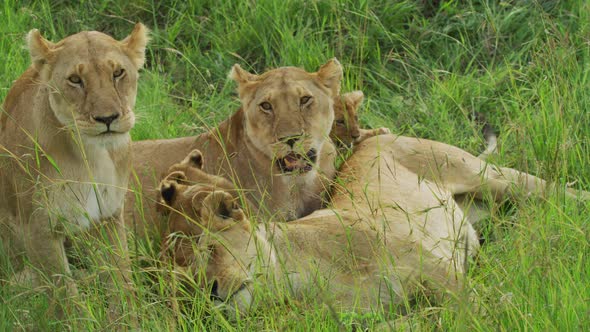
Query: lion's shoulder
[{"x": 21, "y": 90}]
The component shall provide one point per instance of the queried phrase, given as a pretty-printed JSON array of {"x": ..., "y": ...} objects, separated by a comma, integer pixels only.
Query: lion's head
[
  {"x": 189, "y": 173},
  {"x": 212, "y": 240},
  {"x": 92, "y": 81},
  {"x": 346, "y": 129},
  {"x": 288, "y": 112},
  {"x": 191, "y": 168}
]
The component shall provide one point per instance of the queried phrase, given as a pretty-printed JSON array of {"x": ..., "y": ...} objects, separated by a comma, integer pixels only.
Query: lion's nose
[
  {"x": 290, "y": 140},
  {"x": 107, "y": 119}
]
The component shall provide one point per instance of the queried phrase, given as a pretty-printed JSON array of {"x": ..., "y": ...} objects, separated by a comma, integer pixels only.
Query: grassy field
[{"x": 425, "y": 70}]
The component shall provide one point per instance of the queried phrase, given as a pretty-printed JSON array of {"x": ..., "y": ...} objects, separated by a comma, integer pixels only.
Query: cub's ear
[
  {"x": 194, "y": 159},
  {"x": 135, "y": 43},
  {"x": 220, "y": 204},
  {"x": 354, "y": 99},
  {"x": 240, "y": 75},
  {"x": 167, "y": 193},
  {"x": 41, "y": 49},
  {"x": 330, "y": 75},
  {"x": 198, "y": 198},
  {"x": 177, "y": 176}
]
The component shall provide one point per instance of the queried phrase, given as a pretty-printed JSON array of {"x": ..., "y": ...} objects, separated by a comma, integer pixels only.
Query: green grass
[{"x": 424, "y": 70}]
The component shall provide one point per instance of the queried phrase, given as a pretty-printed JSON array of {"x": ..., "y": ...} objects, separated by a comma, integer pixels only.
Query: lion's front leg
[
  {"x": 44, "y": 247},
  {"x": 117, "y": 275}
]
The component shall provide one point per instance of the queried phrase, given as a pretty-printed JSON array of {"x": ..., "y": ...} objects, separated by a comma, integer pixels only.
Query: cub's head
[
  {"x": 345, "y": 129},
  {"x": 92, "y": 81},
  {"x": 217, "y": 248},
  {"x": 288, "y": 112},
  {"x": 191, "y": 168}
]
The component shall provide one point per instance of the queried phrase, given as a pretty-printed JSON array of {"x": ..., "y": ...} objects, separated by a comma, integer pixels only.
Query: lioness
[
  {"x": 387, "y": 237},
  {"x": 65, "y": 149},
  {"x": 276, "y": 147},
  {"x": 430, "y": 159},
  {"x": 346, "y": 132},
  {"x": 393, "y": 230}
]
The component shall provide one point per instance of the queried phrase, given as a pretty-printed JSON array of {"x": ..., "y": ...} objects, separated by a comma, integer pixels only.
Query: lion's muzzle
[{"x": 295, "y": 162}]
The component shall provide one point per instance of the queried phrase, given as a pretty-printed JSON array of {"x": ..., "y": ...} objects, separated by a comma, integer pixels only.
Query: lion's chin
[
  {"x": 109, "y": 140},
  {"x": 295, "y": 163},
  {"x": 239, "y": 303}
]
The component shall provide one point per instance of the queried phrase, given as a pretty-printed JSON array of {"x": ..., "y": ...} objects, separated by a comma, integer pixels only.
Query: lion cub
[
  {"x": 189, "y": 172},
  {"x": 346, "y": 130},
  {"x": 65, "y": 152}
]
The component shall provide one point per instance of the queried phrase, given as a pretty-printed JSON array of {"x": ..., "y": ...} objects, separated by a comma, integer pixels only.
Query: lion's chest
[
  {"x": 98, "y": 195},
  {"x": 297, "y": 196}
]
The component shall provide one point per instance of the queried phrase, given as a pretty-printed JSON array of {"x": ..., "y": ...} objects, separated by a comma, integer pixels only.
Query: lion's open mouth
[{"x": 295, "y": 162}]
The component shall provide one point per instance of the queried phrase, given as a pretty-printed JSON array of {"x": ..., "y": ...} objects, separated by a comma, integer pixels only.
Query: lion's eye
[
  {"x": 75, "y": 79},
  {"x": 340, "y": 122},
  {"x": 266, "y": 106},
  {"x": 119, "y": 73},
  {"x": 304, "y": 100}
]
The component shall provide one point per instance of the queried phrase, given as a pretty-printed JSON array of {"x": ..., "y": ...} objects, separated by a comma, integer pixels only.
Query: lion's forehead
[
  {"x": 285, "y": 73},
  {"x": 338, "y": 109},
  {"x": 97, "y": 63},
  {"x": 286, "y": 84},
  {"x": 90, "y": 41},
  {"x": 93, "y": 50}
]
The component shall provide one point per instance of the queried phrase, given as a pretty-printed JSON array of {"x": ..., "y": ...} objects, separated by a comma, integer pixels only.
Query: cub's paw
[{"x": 382, "y": 131}]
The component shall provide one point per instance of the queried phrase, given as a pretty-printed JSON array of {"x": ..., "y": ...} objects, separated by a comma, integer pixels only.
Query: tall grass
[{"x": 425, "y": 69}]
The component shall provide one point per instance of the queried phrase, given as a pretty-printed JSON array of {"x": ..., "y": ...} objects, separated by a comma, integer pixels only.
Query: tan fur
[
  {"x": 54, "y": 146},
  {"x": 393, "y": 230},
  {"x": 346, "y": 130},
  {"x": 189, "y": 172},
  {"x": 246, "y": 148},
  {"x": 376, "y": 246},
  {"x": 418, "y": 155}
]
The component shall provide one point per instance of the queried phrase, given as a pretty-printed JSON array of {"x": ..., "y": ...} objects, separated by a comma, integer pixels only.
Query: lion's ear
[
  {"x": 194, "y": 159},
  {"x": 198, "y": 198},
  {"x": 354, "y": 99},
  {"x": 219, "y": 204},
  {"x": 177, "y": 176},
  {"x": 240, "y": 75},
  {"x": 135, "y": 44},
  {"x": 167, "y": 192},
  {"x": 330, "y": 74},
  {"x": 41, "y": 49}
]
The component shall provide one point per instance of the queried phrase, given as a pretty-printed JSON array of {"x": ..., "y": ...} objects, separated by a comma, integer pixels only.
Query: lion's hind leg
[
  {"x": 463, "y": 173},
  {"x": 504, "y": 181}
]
